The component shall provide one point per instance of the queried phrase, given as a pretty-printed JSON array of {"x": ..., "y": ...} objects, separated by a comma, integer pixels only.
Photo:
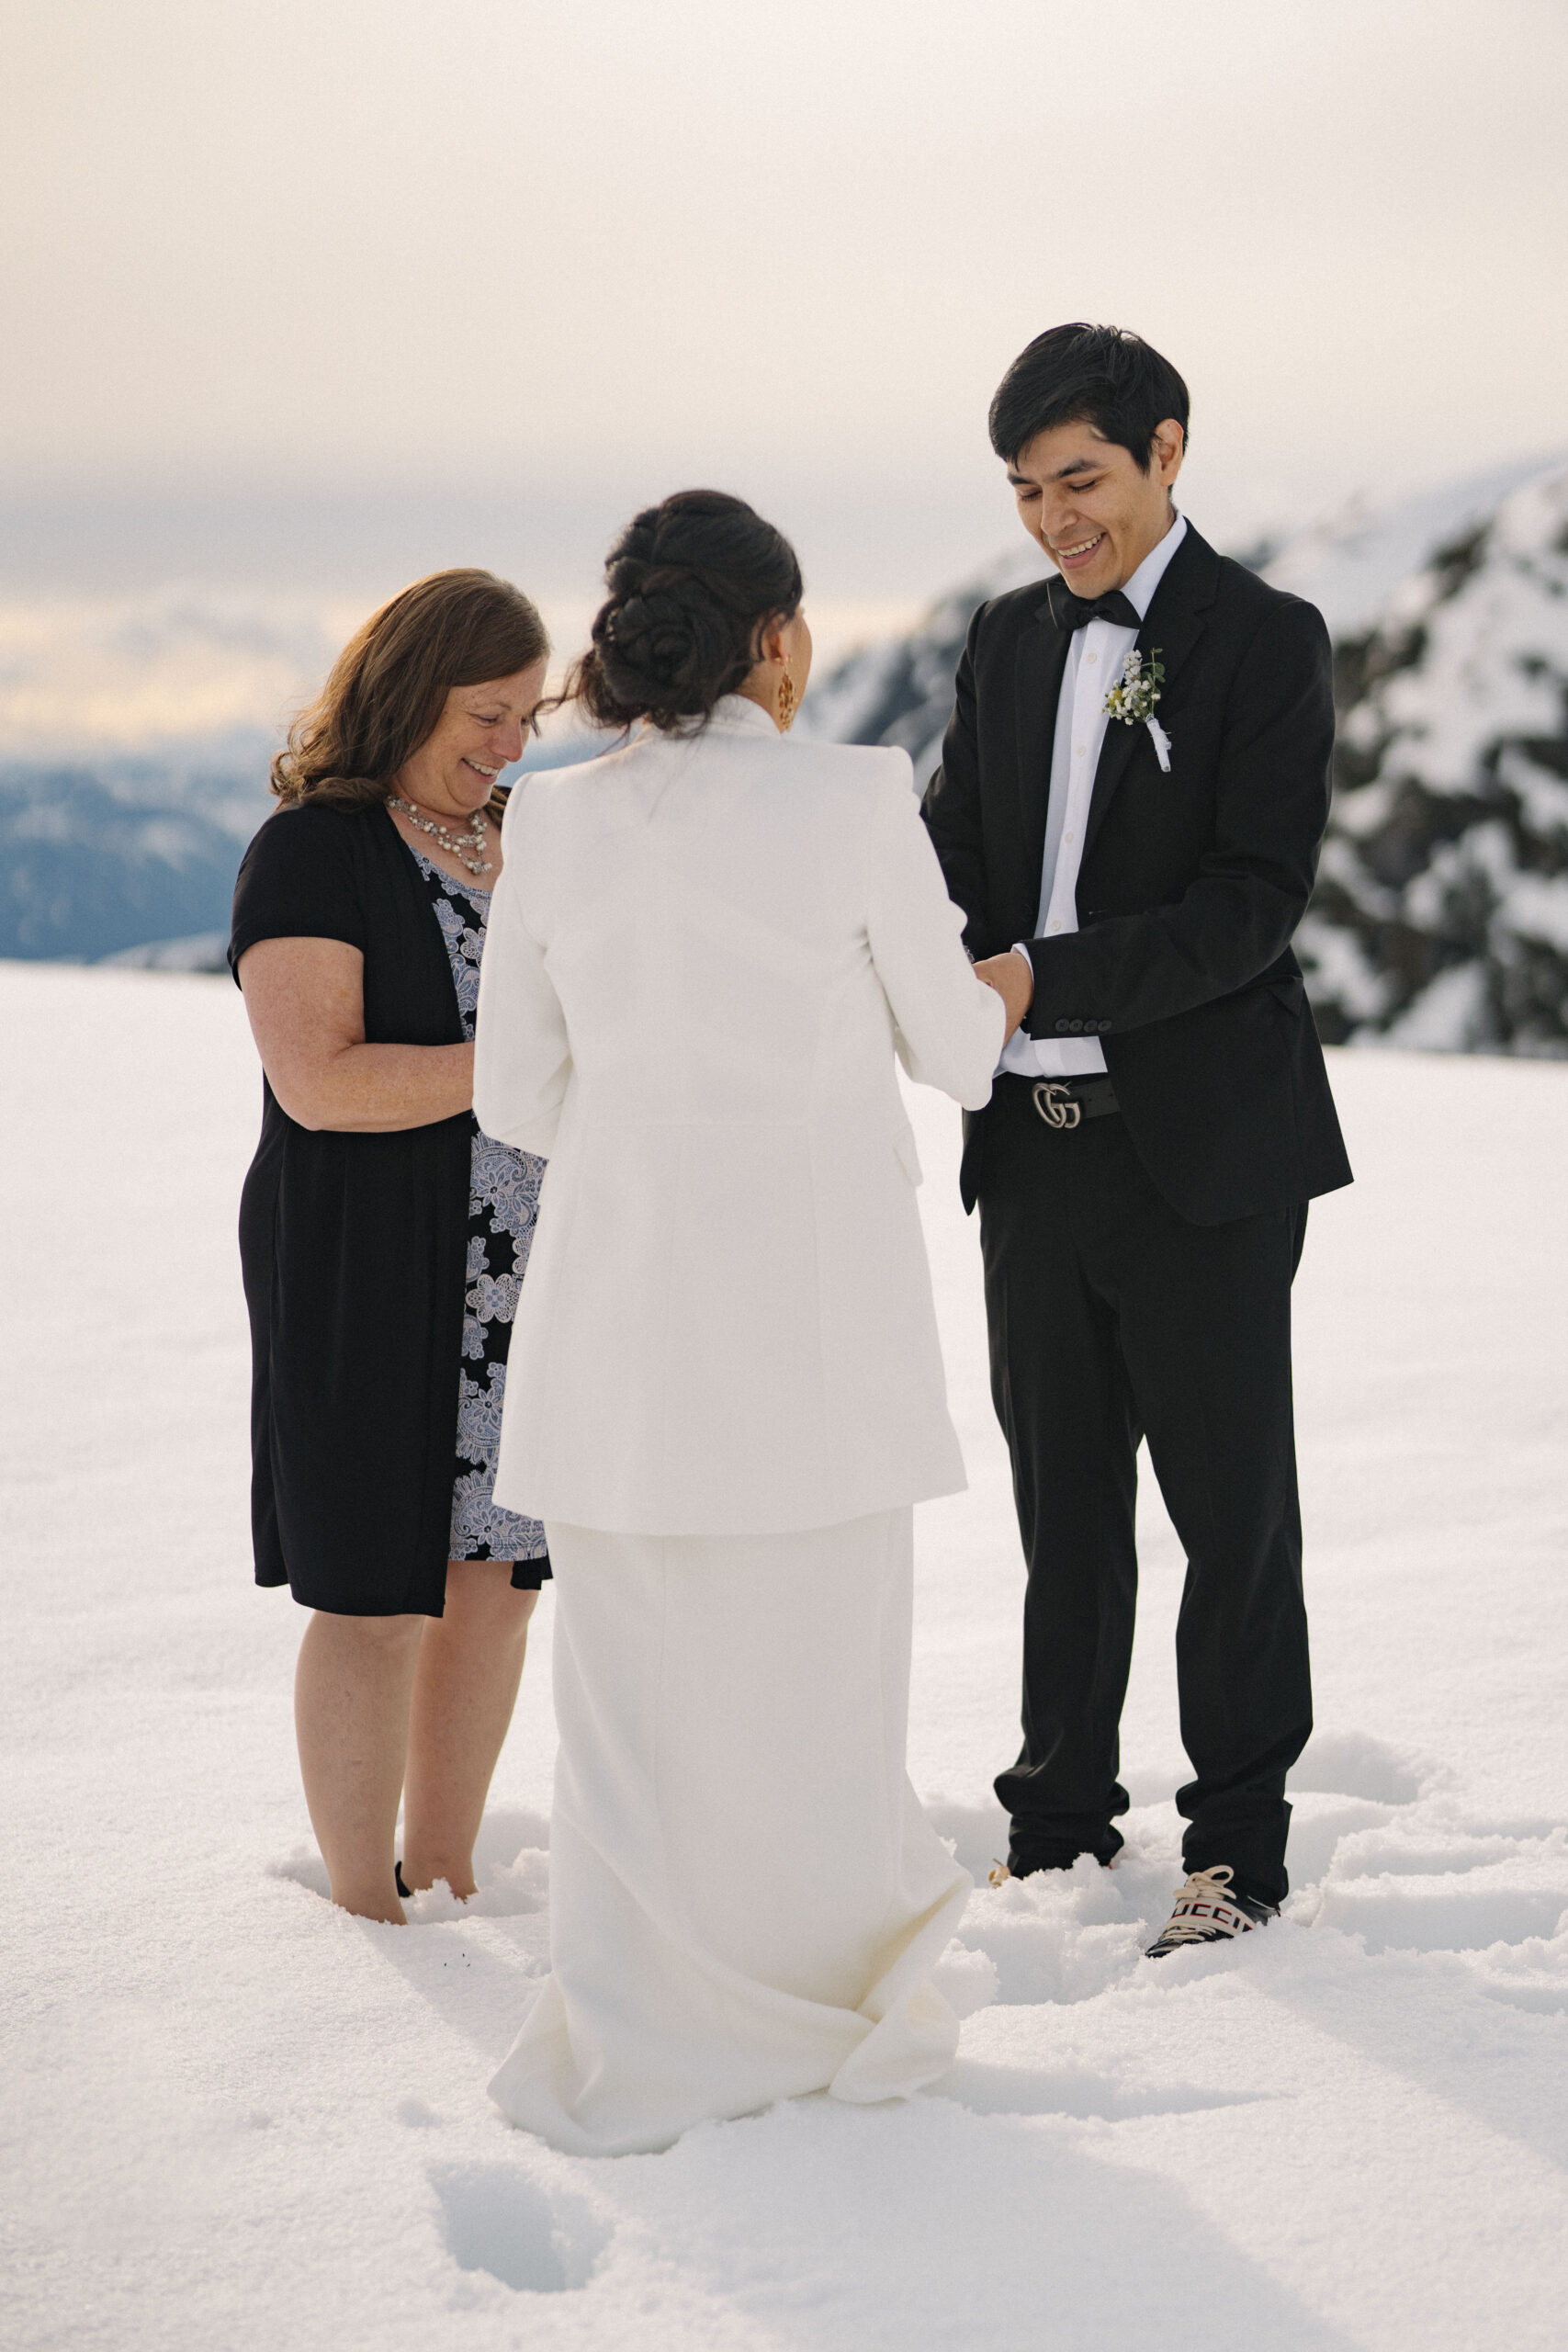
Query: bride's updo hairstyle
[{"x": 693, "y": 585}]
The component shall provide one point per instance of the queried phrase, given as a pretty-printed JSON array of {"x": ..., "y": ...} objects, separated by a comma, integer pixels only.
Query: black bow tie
[{"x": 1076, "y": 612}]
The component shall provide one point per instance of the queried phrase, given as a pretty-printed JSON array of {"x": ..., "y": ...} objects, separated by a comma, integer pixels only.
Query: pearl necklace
[{"x": 469, "y": 853}]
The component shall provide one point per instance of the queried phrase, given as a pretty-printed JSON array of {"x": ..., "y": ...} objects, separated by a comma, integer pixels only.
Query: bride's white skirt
[{"x": 746, "y": 1900}]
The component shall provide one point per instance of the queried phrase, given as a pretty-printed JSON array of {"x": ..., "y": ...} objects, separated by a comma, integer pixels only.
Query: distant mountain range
[
  {"x": 132, "y": 861},
  {"x": 1440, "y": 918},
  {"x": 100, "y": 857}
]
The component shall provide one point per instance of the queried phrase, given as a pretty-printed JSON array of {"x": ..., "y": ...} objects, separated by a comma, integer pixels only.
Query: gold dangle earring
[{"x": 789, "y": 701}]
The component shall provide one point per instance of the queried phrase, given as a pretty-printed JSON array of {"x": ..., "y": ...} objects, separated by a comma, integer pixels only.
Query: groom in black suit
[{"x": 1134, "y": 789}]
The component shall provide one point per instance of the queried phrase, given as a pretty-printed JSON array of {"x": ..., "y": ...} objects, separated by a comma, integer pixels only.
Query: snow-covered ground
[{"x": 234, "y": 2117}]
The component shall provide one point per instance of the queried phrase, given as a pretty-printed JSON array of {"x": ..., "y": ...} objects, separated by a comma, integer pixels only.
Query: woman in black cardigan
[{"x": 383, "y": 1237}]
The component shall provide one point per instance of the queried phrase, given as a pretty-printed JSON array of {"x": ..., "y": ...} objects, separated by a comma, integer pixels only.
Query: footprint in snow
[{"x": 497, "y": 2221}]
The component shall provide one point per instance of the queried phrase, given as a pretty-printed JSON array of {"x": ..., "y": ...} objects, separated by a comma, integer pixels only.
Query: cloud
[{"x": 86, "y": 675}]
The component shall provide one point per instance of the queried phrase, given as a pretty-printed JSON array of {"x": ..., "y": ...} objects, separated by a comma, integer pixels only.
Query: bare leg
[
  {"x": 351, "y": 1715},
  {"x": 470, "y": 1663}
]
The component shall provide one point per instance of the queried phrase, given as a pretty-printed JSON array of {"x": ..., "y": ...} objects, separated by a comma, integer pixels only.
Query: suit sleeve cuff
[{"x": 1026, "y": 1026}]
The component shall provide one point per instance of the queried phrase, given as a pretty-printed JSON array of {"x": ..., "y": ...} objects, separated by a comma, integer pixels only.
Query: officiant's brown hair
[
  {"x": 388, "y": 687},
  {"x": 1103, "y": 377}
]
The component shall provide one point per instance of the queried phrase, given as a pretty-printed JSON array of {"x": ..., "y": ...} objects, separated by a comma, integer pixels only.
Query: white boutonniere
[{"x": 1134, "y": 698}]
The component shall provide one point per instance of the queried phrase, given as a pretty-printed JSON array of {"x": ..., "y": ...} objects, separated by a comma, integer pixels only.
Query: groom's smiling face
[{"x": 1090, "y": 505}]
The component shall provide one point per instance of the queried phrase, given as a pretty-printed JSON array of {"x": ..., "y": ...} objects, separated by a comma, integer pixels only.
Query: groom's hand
[{"x": 1012, "y": 977}]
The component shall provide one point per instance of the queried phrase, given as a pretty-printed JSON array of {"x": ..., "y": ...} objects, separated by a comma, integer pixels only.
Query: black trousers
[{"x": 1112, "y": 1319}]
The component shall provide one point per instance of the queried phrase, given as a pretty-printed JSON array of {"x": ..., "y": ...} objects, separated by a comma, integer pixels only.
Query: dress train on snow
[{"x": 748, "y": 1902}]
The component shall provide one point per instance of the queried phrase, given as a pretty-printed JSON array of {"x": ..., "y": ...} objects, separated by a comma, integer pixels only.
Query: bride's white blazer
[{"x": 702, "y": 954}]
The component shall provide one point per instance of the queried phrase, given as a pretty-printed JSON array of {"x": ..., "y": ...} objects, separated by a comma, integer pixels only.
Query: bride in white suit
[{"x": 725, "y": 1391}]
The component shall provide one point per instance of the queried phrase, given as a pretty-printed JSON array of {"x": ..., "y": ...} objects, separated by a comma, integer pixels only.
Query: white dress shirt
[{"x": 1094, "y": 665}]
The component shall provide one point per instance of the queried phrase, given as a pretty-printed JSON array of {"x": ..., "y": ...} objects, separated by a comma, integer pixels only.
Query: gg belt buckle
[{"x": 1055, "y": 1105}]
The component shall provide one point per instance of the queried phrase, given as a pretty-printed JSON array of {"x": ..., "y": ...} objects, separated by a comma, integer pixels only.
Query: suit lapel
[
  {"x": 1176, "y": 619},
  {"x": 1041, "y": 659}
]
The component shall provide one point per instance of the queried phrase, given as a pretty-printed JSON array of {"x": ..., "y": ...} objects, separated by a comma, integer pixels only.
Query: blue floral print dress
[{"x": 504, "y": 1207}]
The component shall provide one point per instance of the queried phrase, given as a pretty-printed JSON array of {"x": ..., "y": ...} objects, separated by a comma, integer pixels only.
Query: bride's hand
[{"x": 1012, "y": 977}]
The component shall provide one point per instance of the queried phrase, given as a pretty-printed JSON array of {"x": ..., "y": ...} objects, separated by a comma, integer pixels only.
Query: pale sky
[{"x": 547, "y": 259}]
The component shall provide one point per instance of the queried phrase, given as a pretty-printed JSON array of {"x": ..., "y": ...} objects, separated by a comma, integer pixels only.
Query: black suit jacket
[{"x": 1191, "y": 886}]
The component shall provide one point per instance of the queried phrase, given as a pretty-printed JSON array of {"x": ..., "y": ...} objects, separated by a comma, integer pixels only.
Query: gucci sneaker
[{"x": 1208, "y": 1912}]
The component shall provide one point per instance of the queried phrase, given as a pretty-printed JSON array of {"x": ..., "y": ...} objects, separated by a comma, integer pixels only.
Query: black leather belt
[{"x": 1066, "y": 1103}]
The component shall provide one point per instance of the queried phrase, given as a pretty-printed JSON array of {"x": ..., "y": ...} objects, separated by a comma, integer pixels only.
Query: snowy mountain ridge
[
  {"x": 1441, "y": 913},
  {"x": 98, "y": 856},
  {"x": 1440, "y": 918},
  {"x": 1351, "y": 562}
]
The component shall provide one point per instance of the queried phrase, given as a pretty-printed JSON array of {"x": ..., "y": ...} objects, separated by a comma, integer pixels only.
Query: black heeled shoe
[{"x": 406, "y": 1892}]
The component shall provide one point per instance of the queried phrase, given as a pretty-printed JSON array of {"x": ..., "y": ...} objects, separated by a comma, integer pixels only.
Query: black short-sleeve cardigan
[{"x": 354, "y": 1249}]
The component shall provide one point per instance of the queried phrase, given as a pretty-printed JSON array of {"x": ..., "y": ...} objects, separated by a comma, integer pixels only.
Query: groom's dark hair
[{"x": 1082, "y": 375}]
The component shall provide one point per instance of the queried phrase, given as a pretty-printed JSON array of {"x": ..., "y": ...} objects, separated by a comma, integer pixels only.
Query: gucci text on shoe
[{"x": 1208, "y": 1913}]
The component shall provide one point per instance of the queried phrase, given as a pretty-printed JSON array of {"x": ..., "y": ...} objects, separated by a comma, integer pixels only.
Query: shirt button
[
  {"x": 1079, "y": 752},
  {"x": 1093, "y": 657},
  {"x": 1055, "y": 926},
  {"x": 1068, "y": 837}
]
